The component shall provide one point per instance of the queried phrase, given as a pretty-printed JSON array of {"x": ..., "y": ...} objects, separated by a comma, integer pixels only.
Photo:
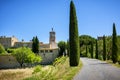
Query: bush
[
  {"x": 119, "y": 59},
  {"x": 10, "y": 50},
  {"x": 59, "y": 60},
  {"x": 37, "y": 69},
  {"x": 2, "y": 49}
]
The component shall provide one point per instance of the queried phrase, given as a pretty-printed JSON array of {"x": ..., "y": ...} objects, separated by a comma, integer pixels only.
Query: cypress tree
[
  {"x": 73, "y": 37},
  {"x": 91, "y": 50},
  {"x": 104, "y": 48},
  {"x": 96, "y": 52},
  {"x": 35, "y": 45},
  {"x": 86, "y": 50},
  {"x": 68, "y": 48},
  {"x": 114, "y": 45}
]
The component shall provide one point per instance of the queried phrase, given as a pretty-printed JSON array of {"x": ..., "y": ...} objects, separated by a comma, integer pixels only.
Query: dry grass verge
[
  {"x": 60, "y": 71},
  {"x": 15, "y": 74},
  {"x": 110, "y": 62}
]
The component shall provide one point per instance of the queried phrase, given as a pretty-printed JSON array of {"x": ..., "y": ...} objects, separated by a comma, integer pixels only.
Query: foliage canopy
[{"x": 25, "y": 55}]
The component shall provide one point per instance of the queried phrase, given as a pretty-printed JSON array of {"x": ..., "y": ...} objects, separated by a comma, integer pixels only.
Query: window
[
  {"x": 46, "y": 51},
  {"x": 51, "y": 51},
  {"x": 42, "y": 51}
]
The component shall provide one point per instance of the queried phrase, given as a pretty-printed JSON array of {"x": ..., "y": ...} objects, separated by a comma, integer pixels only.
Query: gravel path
[{"x": 97, "y": 70}]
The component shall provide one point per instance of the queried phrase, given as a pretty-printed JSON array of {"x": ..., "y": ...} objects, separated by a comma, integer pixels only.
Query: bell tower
[{"x": 52, "y": 37}]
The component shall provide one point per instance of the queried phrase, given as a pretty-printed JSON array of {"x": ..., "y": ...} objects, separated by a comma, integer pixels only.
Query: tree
[
  {"x": 114, "y": 45},
  {"x": 25, "y": 55},
  {"x": 109, "y": 47},
  {"x": 35, "y": 45},
  {"x": 86, "y": 51},
  {"x": 118, "y": 38},
  {"x": 62, "y": 47},
  {"x": 91, "y": 50},
  {"x": 73, "y": 37},
  {"x": 68, "y": 48},
  {"x": 2, "y": 49},
  {"x": 96, "y": 52},
  {"x": 104, "y": 48},
  {"x": 86, "y": 40}
]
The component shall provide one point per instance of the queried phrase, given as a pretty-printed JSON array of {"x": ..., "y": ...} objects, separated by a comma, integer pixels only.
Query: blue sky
[{"x": 27, "y": 18}]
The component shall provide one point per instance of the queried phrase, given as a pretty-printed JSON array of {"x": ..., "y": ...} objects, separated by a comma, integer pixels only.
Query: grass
[
  {"x": 110, "y": 62},
  {"x": 60, "y": 70},
  {"x": 15, "y": 74}
]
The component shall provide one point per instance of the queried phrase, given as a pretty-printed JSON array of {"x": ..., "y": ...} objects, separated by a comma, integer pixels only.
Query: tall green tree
[
  {"x": 104, "y": 48},
  {"x": 35, "y": 45},
  {"x": 86, "y": 50},
  {"x": 62, "y": 47},
  {"x": 68, "y": 48},
  {"x": 91, "y": 51},
  {"x": 96, "y": 51},
  {"x": 114, "y": 45},
  {"x": 73, "y": 37}
]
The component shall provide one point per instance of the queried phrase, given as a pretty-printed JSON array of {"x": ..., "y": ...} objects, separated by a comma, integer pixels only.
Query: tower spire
[{"x": 52, "y": 28}]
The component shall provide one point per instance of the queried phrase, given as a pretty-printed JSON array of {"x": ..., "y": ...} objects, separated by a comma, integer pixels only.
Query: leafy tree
[
  {"x": 104, "y": 48},
  {"x": 2, "y": 49},
  {"x": 109, "y": 47},
  {"x": 118, "y": 38},
  {"x": 35, "y": 45},
  {"x": 91, "y": 50},
  {"x": 96, "y": 52},
  {"x": 73, "y": 37},
  {"x": 86, "y": 40},
  {"x": 100, "y": 49},
  {"x": 62, "y": 47},
  {"x": 114, "y": 45},
  {"x": 25, "y": 55}
]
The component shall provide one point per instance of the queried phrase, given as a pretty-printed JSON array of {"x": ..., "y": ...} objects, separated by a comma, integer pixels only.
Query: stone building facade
[
  {"x": 8, "y": 42},
  {"x": 48, "y": 51}
]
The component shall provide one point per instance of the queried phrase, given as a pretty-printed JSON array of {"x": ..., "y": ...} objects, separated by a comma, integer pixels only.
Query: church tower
[
  {"x": 52, "y": 40},
  {"x": 52, "y": 37}
]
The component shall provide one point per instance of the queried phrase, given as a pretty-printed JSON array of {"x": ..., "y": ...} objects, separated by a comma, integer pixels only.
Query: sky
[{"x": 27, "y": 18}]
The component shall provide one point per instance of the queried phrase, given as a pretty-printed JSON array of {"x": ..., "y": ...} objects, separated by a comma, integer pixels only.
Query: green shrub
[
  {"x": 2, "y": 49},
  {"x": 59, "y": 60},
  {"x": 37, "y": 69},
  {"x": 10, "y": 50},
  {"x": 119, "y": 59}
]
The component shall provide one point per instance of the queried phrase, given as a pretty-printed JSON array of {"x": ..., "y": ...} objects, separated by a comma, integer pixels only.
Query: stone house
[{"x": 48, "y": 51}]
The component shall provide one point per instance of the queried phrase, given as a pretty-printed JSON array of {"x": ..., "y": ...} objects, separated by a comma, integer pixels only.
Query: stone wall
[
  {"x": 8, "y": 61},
  {"x": 49, "y": 57}
]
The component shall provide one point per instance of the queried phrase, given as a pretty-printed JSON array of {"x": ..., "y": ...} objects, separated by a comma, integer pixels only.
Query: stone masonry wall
[{"x": 8, "y": 61}]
